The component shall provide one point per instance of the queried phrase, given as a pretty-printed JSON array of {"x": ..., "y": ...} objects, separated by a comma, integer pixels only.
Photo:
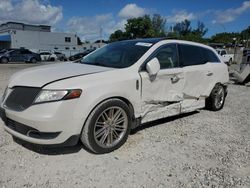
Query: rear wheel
[
  {"x": 4, "y": 60},
  {"x": 216, "y": 99},
  {"x": 52, "y": 59},
  {"x": 107, "y": 127}
]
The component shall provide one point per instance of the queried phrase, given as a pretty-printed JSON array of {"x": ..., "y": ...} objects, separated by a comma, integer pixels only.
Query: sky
[{"x": 87, "y": 18}]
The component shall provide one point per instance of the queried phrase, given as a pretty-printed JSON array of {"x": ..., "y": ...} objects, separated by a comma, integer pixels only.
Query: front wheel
[
  {"x": 33, "y": 60},
  {"x": 4, "y": 60},
  {"x": 216, "y": 99},
  {"x": 107, "y": 127}
]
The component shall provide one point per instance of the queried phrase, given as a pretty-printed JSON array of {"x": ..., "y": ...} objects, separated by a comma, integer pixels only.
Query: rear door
[
  {"x": 197, "y": 74},
  {"x": 161, "y": 94}
]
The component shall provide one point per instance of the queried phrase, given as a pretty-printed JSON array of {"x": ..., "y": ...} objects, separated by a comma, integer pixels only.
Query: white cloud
[
  {"x": 229, "y": 15},
  {"x": 29, "y": 11},
  {"x": 131, "y": 11},
  {"x": 88, "y": 28},
  {"x": 179, "y": 16}
]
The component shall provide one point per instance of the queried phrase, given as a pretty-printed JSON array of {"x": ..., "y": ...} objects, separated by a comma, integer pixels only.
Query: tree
[
  {"x": 140, "y": 27},
  {"x": 224, "y": 37},
  {"x": 183, "y": 28},
  {"x": 201, "y": 29},
  {"x": 117, "y": 35},
  {"x": 158, "y": 24}
]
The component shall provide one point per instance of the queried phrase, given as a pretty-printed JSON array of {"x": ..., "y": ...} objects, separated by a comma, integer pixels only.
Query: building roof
[{"x": 5, "y": 27}]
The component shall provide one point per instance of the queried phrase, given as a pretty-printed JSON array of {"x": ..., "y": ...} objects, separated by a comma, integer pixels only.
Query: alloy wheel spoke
[
  {"x": 118, "y": 128},
  {"x": 117, "y": 115},
  {"x": 104, "y": 137},
  {"x": 116, "y": 135},
  {"x": 111, "y": 113},
  {"x": 120, "y": 120},
  {"x": 100, "y": 132},
  {"x": 105, "y": 116}
]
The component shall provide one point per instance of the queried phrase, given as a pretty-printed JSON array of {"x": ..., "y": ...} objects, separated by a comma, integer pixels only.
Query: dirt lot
[{"x": 201, "y": 149}]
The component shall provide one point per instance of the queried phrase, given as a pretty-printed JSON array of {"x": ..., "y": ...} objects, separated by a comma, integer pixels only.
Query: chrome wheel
[
  {"x": 219, "y": 98},
  {"x": 110, "y": 127}
]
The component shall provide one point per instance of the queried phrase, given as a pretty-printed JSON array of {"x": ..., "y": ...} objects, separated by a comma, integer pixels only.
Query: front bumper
[{"x": 45, "y": 124}]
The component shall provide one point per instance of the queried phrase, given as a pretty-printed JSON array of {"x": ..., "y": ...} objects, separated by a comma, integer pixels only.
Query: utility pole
[{"x": 101, "y": 30}]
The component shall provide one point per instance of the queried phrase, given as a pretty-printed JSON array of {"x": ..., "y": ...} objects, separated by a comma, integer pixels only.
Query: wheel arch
[{"x": 123, "y": 99}]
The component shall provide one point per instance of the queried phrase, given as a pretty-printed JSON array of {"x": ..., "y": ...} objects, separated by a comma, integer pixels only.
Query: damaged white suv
[{"x": 99, "y": 99}]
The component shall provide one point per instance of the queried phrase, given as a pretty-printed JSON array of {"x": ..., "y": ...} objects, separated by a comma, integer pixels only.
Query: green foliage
[
  {"x": 141, "y": 27},
  {"x": 147, "y": 27},
  {"x": 224, "y": 37},
  {"x": 184, "y": 31},
  {"x": 183, "y": 28},
  {"x": 158, "y": 24},
  {"x": 117, "y": 35}
]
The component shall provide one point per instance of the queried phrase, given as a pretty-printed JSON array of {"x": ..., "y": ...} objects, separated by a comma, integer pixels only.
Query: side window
[
  {"x": 15, "y": 52},
  {"x": 167, "y": 56},
  {"x": 210, "y": 56},
  {"x": 190, "y": 55},
  {"x": 223, "y": 52}
]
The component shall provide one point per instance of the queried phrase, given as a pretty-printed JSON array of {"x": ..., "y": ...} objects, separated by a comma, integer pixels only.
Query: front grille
[{"x": 21, "y": 98}]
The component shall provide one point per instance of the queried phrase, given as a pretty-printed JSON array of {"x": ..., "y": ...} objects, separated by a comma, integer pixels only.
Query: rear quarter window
[
  {"x": 190, "y": 55},
  {"x": 195, "y": 55},
  {"x": 210, "y": 56}
]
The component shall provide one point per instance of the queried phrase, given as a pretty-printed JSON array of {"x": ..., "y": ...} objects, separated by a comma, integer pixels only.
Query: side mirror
[{"x": 153, "y": 67}]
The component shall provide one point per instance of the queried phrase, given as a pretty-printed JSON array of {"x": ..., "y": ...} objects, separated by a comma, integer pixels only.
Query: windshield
[{"x": 117, "y": 55}]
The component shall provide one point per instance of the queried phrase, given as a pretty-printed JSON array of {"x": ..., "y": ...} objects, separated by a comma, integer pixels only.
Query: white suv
[{"x": 100, "y": 98}]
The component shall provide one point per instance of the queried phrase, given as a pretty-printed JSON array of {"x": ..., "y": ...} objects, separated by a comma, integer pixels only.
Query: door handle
[
  {"x": 209, "y": 73},
  {"x": 175, "y": 79}
]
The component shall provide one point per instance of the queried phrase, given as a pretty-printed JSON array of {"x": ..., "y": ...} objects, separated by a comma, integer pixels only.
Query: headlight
[{"x": 57, "y": 95}]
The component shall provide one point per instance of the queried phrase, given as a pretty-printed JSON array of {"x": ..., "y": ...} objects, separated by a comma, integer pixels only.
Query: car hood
[{"x": 42, "y": 75}]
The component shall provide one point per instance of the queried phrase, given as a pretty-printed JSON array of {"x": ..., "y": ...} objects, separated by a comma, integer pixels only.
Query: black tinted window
[
  {"x": 191, "y": 55},
  {"x": 26, "y": 52},
  {"x": 118, "y": 54},
  {"x": 223, "y": 53},
  {"x": 210, "y": 56},
  {"x": 167, "y": 56}
]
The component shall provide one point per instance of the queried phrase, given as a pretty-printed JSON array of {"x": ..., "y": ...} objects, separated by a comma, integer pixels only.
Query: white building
[{"x": 36, "y": 38}]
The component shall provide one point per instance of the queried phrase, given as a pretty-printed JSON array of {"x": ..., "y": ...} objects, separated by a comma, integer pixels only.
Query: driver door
[{"x": 162, "y": 93}]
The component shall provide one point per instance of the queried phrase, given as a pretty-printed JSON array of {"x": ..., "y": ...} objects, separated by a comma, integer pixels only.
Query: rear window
[{"x": 195, "y": 55}]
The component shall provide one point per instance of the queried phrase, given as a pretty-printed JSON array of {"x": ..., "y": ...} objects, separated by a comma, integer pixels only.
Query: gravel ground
[{"x": 201, "y": 149}]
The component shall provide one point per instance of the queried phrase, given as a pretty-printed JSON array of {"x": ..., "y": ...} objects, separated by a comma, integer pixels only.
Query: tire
[
  {"x": 4, "y": 60},
  {"x": 100, "y": 135},
  {"x": 33, "y": 60},
  {"x": 52, "y": 59},
  {"x": 216, "y": 99}
]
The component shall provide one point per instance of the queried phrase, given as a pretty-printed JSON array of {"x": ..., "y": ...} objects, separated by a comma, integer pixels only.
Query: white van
[{"x": 116, "y": 88}]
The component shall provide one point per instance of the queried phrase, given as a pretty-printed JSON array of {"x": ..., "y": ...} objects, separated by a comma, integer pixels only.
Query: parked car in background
[
  {"x": 99, "y": 99},
  {"x": 48, "y": 56},
  {"x": 3, "y": 51},
  {"x": 60, "y": 56},
  {"x": 245, "y": 59},
  {"x": 19, "y": 55},
  {"x": 226, "y": 58},
  {"x": 80, "y": 55}
]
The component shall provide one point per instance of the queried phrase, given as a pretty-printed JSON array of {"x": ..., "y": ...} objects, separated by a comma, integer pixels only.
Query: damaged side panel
[{"x": 161, "y": 95}]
